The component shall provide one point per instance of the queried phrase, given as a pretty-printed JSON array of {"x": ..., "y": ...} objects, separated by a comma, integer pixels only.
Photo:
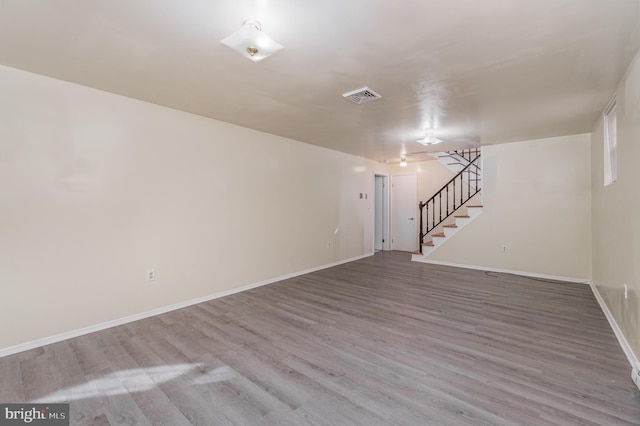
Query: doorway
[{"x": 404, "y": 211}]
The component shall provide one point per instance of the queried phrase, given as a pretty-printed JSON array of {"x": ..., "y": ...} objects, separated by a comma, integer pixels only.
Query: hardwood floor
[{"x": 378, "y": 341}]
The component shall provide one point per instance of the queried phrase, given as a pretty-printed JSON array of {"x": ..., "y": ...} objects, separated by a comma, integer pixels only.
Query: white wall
[
  {"x": 536, "y": 199},
  {"x": 96, "y": 188},
  {"x": 616, "y": 212},
  {"x": 431, "y": 176}
]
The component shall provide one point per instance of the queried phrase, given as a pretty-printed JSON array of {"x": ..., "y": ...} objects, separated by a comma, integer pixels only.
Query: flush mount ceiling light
[
  {"x": 251, "y": 42},
  {"x": 429, "y": 138}
]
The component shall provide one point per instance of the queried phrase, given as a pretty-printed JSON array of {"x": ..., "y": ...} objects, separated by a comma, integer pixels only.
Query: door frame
[{"x": 386, "y": 211}]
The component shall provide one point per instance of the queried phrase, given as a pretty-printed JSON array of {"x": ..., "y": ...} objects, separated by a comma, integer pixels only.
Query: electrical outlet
[
  {"x": 329, "y": 244},
  {"x": 626, "y": 291},
  {"x": 504, "y": 249},
  {"x": 151, "y": 274}
]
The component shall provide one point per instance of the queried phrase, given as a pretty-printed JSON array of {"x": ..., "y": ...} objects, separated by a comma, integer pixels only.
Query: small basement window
[{"x": 610, "y": 144}]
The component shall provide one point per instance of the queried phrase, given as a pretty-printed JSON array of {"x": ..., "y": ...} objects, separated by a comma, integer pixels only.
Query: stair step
[
  {"x": 428, "y": 244},
  {"x": 475, "y": 179},
  {"x": 462, "y": 216},
  {"x": 450, "y": 226},
  {"x": 454, "y": 164},
  {"x": 441, "y": 235},
  {"x": 416, "y": 252},
  {"x": 475, "y": 207}
]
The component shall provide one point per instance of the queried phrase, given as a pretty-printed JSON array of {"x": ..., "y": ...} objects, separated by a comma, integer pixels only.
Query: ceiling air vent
[{"x": 362, "y": 96}]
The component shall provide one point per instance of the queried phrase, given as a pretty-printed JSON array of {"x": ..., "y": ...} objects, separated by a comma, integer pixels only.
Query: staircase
[{"x": 455, "y": 205}]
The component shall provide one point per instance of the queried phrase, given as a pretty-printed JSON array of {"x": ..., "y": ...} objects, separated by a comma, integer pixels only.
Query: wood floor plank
[
  {"x": 12, "y": 388},
  {"x": 377, "y": 341}
]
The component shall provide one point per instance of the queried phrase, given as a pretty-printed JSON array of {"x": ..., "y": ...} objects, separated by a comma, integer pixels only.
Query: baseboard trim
[
  {"x": 153, "y": 312},
  {"x": 631, "y": 356},
  {"x": 508, "y": 271}
]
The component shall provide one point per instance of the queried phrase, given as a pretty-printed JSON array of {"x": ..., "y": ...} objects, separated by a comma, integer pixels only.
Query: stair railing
[
  {"x": 453, "y": 195},
  {"x": 467, "y": 154}
]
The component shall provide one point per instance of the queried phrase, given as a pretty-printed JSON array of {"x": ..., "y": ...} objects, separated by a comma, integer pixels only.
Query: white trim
[
  {"x": 631, "y": 356},
  {"x": 153, "y": 312},
  {"x": 612, "y": 103},
  {"x": 386, "y": 207},
  {"x": 508, "y": 271}
]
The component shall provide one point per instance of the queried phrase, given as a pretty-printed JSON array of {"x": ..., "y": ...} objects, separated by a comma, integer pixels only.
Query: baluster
[
  {"x": 454, "y": 195},
  {"x": 427, "y": 218},
  {"x": 478, "y": 182},
  {"x": 433, "y": 214},
  {"x": 447, "y": 200}
]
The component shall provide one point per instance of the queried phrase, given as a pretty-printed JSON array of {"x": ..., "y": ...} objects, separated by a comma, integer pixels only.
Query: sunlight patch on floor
[{"x": 126, "y": 381}]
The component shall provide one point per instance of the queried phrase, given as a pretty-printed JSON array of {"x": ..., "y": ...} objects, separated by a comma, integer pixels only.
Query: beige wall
[
  {"x": 97, "y": 188},
  {"x": 431, "y": 176},
  {"x": 536, "y": 197},
  {"x": 616, "y": 212}
]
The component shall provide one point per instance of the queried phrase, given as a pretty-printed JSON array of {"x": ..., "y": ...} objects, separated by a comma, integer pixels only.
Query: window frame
[{"x": 610, "y": 119}]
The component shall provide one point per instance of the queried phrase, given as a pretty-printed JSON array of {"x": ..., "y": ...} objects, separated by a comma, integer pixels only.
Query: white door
[{"x": 404, "y": 206}]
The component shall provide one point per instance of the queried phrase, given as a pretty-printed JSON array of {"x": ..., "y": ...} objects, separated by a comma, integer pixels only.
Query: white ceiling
[{"x": 485, "y": 72}]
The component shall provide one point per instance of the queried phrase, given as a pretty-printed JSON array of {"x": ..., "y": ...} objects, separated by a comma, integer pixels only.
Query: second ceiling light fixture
[{"x": 251, "y": 42}]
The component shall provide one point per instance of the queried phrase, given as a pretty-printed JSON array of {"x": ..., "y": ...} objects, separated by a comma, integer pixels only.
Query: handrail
[
  {"x": 449, "y": 191},
  {"x": 466, "y": 155}
]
